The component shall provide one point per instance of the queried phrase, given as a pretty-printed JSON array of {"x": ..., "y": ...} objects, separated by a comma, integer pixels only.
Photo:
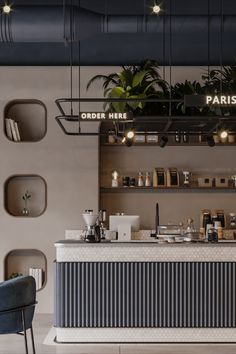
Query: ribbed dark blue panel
[{"x": 145, "y": 294}]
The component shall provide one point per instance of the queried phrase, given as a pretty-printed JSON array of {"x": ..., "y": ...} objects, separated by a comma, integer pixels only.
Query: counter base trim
[{"x": 150, "y": 335}]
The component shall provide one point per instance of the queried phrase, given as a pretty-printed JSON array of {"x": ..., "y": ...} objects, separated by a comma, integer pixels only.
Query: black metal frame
[
  {"x": 210, "y": 124},
  {"x": 22, "y": 310}
]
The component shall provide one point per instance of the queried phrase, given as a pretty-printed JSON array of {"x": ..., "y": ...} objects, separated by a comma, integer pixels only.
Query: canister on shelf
[
  {"x": 126, "y": 181},
  {"x": 205, "y": 218},
  {"x": 212, "y": 234},
  {"x": 220, "y": 216},
  {"x": 132, "y": 182},
  {"x": 232, "y": 220},
  {"x": 220, "y": 233}
]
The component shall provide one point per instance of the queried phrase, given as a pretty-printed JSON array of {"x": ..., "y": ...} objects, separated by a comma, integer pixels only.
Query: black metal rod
[
  {"x": 79, "y": 79},
  {"x": 117, "y": 100},
  {"x": 32, "y": 339},
  {"x": 170, "y": 58},
  {"x": 208, "y": 38},
  {"x": 24, "y": 330},
  {"x": 64, "y": 21},
  {"x": 221, "y": 44},
  {"x": 164, "y": 44},
  {"x": 71, "y": 59}
]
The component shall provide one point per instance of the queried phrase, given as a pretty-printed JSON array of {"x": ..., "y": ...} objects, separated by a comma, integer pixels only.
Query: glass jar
[{"x": 212, "y": 235}]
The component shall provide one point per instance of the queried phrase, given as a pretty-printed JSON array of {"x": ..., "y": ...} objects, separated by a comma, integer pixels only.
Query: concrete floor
[{"x": 14, "y": 344}]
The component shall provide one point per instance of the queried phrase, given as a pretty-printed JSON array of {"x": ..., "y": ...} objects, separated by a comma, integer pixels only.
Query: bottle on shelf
[
  {"x": 140, "y": 180},
  {"x": 114, "y": 181},
  {"x": 111, "y": 137},
  {"x": 177, "y": 137},
  {"x": 185, "y": 137},
  {"x": 147, "y": 180}
]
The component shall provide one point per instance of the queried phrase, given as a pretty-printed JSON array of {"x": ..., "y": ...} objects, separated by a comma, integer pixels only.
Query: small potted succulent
[{"x": 26, "y": 197}]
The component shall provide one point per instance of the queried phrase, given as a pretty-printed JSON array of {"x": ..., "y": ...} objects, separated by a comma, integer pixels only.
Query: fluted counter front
[{"x": 145, "y": 292}]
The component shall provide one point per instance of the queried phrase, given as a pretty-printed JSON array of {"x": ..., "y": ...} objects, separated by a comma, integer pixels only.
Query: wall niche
[
  {"x": 16, "y": 187},
  {"x": 25, "y": 120}
]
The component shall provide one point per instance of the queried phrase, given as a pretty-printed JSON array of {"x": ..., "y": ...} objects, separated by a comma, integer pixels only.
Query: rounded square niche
[
  {"x": 21, "y": 260},
  {"x": 25, "y": 120},
  {"x": 15, "y": 188}
]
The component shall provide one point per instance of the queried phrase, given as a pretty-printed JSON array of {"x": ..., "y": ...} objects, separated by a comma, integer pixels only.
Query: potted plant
[
  {"x": 135, "y": 82},
  {"x": 26, "y": 197},
  {"x": 179, "y": 90}
]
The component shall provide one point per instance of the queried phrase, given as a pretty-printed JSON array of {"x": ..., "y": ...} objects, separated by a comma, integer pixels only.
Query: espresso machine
[{"x": 91, "y": 232}]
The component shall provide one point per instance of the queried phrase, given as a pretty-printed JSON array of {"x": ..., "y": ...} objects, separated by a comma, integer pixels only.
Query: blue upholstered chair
[{"x": 17, "y": 304}]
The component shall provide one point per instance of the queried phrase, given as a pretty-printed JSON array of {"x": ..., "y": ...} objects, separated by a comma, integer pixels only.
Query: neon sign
[{"x": 221, "y": 100}]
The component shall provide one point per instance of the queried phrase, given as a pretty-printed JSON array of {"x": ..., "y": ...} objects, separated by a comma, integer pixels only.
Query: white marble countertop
[{"x": 151, "y": 242}]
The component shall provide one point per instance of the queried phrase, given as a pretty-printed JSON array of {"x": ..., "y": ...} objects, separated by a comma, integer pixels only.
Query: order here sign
[{"x": 97, "y": 116}]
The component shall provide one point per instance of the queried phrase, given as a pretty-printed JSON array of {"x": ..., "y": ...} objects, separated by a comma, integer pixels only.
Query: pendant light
[{"x": 5, "y": 23}]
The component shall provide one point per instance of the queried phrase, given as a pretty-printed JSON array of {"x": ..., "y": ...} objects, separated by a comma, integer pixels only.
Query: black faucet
[{"x": 157, "y": 217}]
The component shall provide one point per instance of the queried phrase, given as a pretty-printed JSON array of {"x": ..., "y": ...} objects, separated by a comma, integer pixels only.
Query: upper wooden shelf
[{"x": 169, "y": 144}]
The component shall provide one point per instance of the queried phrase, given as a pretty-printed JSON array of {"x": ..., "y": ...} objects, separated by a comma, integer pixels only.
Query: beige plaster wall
[{"x": 69, "y": 165}]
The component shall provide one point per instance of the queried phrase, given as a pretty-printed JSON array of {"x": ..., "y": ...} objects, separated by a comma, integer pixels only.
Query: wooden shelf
[
  {"x": 16, "y": 186},
  {"x": 167, "y": 189},
  {"x": 31, "y": 118},
  {"x": 169, "y": 144},
  {"x": 20, "y": 260}
]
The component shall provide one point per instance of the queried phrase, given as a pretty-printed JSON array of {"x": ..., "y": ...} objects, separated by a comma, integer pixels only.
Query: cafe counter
[{"x": 145, "y": 292}]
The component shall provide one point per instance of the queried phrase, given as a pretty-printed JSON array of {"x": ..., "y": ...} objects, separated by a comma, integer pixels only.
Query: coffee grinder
[{"x": 91, "y": 232}]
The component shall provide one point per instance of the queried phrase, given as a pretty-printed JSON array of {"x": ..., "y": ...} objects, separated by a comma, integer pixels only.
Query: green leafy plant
[
  {"x": 221, "y": 80},
  {"x": 26, "y": 196},
  {"x": 15, "y": 275},
  {"x": 179, "y": 90},
  {"x": 133, "y": 82},
  {"x": 144, "y": 81}
]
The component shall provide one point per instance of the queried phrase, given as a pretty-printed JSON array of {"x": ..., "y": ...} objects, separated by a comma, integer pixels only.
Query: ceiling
[{"x": 127, "y": 34}]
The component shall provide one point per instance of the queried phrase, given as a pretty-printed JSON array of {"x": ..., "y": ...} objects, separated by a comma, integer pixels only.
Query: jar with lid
[
  {"x": 232, "y": 220},
  {"x": 212, "y": 234},
  {"x": 221, "y": 217}
]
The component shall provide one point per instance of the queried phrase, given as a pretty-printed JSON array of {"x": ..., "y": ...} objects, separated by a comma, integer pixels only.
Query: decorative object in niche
[{"x": 26, "y": 197}]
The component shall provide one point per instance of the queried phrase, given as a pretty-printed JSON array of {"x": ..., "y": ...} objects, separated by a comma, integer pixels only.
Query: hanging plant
[
  {"x": 133, "y": 82},
  {"x": 179, "y": 90}
]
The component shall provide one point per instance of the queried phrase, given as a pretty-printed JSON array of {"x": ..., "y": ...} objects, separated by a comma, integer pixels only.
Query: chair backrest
[{"x": 15, "y": 293}]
